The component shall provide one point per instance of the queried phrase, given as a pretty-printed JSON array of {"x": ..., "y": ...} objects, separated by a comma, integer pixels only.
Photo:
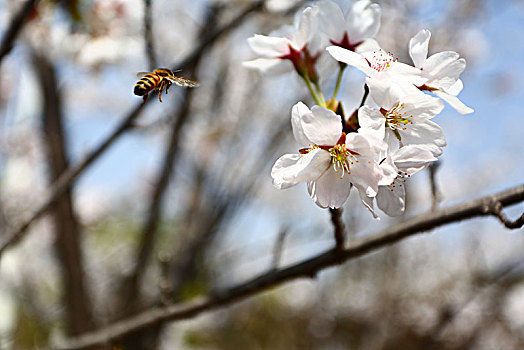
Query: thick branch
[
  {"x": 306, "y": 268},
  {"x": 67, "y": 232},
  {"x": 68, "y": 177},
  {"x": 14, "y": 28}
]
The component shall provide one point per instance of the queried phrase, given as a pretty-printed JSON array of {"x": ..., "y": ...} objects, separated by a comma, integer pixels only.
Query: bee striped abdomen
[{"x": 146, "y": 84}]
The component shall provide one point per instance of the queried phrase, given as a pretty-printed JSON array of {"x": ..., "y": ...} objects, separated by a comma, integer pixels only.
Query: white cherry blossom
[
  {"x": 402, "y": 119},
  {"x": 441, "y": 70},
  {"x": 382, "y": 66},
  {"x": 349, "y": 31},
  {"x": 331, "y": 162},
  {"x": 407, "y": 160},
  {"x": 298, "y": 43}
]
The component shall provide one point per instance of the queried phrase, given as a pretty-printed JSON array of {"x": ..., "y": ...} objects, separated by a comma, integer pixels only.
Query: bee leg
[
  {"x": 144, "y": 99},
  {"x": 160, "y": 88}
]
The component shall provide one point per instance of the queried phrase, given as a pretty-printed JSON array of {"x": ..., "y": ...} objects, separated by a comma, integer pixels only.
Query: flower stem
[
  {"x": 341, "y": 66},
  {"x": 366, "y": 93},
  {"x": 312, "y": 91},
  {"x": 320, "y": 95},
  {"x": 338, "y": 225}
]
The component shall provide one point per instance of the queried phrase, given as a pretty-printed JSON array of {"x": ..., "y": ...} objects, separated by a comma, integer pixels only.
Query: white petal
[
  {"x": 297, "y": 112},
  {"x": 371, "y": 122},
  {"x": 332, "y": 20},
  {"x": 456, "y": 88},
  {"x": 454, "y": 102},
  {"x": 365, "y": 145},
  {"x": 435, "y": 63},
  {"x": 365, "y": 175},
  {"x": 447, "y": 76},
  {"x": 422, "y": 105},
  {"x": 352, "y": 58},
  {"x": 391, "y": 199},
  {"x": 268, "y": 46},
  {"x": 279, "y": 5},
  {"x": 423, "y": 131},
  {"x": 413, "y": 158},
  {"x": 272, "y": 66},
  {"x": 418, "y": 47},
  {"x": 368, "y": 45},
  {"x": 322, "y": 126},
  {"x": 363, "y": 21},
  {"x": 390, "y": 171},
  {"x": 368, "y": 203},
  {"x": 281, "y": 168},
  {"x": 387, "y": 93},
  {"x": 329, "y": 190},
  {"x": 291, "y": 169},
  {"x": 402, "y": 73},
  {"x": 383, "y": 92},
  {"x": 303, "y": 33},
  {"x": 391, "y": 140},
  {"x": 443, "y": 69}
]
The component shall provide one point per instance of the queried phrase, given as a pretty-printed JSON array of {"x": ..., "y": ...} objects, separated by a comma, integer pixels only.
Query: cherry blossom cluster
[{"x": 380, "y": 145}]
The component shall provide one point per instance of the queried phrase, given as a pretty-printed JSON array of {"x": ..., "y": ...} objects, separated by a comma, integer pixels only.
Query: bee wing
[
  {"x": 184, "y": 82},
  {"x": 141, "y": 74}
]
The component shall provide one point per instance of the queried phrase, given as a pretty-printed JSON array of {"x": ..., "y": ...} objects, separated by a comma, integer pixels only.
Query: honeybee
[{"x": 160, "y": 79}]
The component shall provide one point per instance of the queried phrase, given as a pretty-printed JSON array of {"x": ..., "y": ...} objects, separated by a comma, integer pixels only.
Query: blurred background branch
[
  {"x": 148, "y": 35},
  {"x": 14, "y": 28}
]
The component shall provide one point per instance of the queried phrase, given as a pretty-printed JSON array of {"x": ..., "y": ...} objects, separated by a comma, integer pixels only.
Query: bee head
[{"x": 163, "y": 72}]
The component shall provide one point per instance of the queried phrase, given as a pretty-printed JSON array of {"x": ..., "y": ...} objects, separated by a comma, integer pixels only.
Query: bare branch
[
  {"x": 68, "y": 177},
  {"x": 148, "y": 35},
  {"x": 164, "y": 284},
  {"x": 306, "y": 268},
  {"x": 277, "y": 250},
  {"x": 495, "y": 208},
  {"x": 14, "y": 28},
  {"x": 336, "y": 219},
  {"x": 67, "y": 228}
]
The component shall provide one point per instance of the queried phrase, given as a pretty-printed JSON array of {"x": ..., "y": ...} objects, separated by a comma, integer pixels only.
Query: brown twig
[
  {"x": 164, "y": 283},
  {"x": 495, "y": 208},
  {"x": 435, "y": 193},
  {"x": 338, "y": 225},
  {"x": 277, "y": 249},
  {"x": 14, "y": 28},
  {"x": 306, "y": 268},
  {"x": 148, "y": 35},
  {"x": 65, "y": 180}
]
